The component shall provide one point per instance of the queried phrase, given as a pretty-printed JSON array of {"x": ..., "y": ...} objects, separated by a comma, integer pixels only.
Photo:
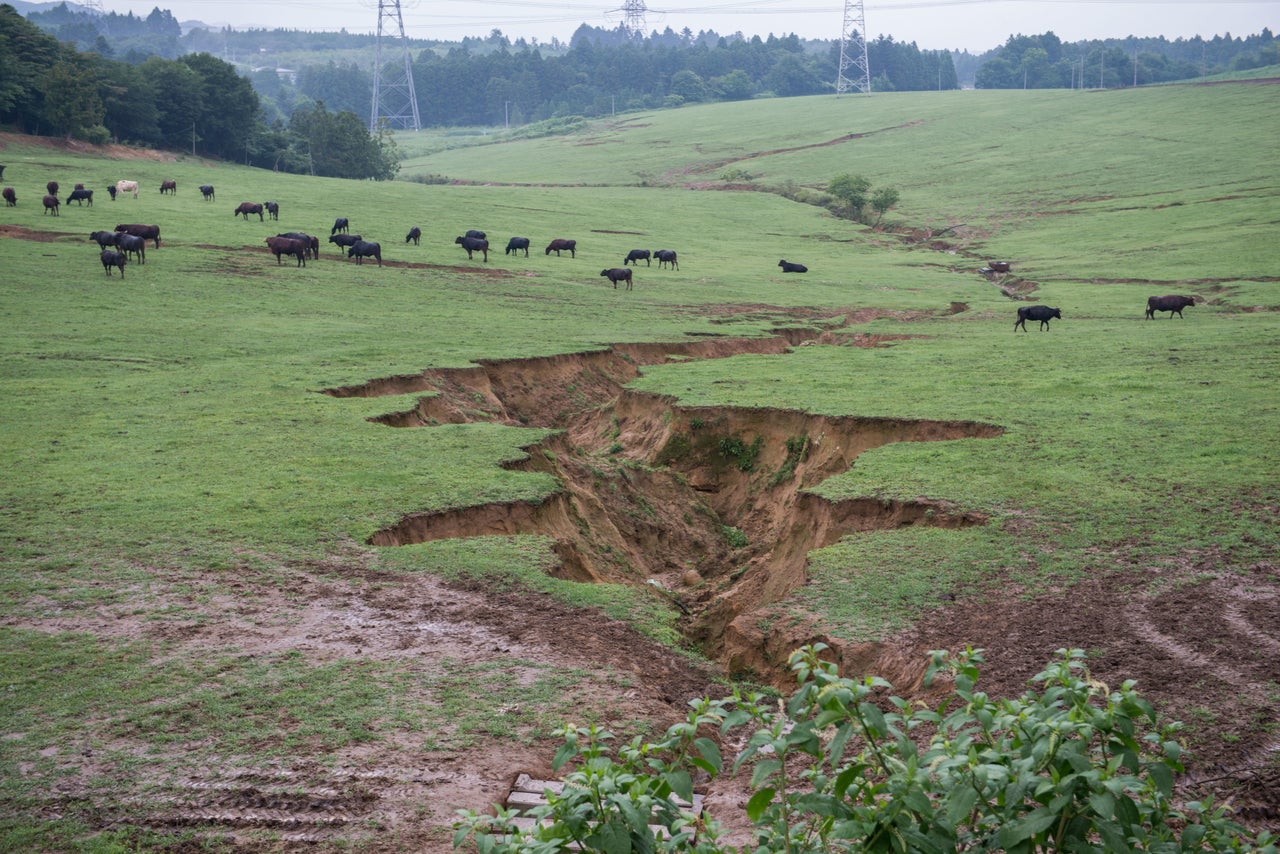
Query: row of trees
[
  {"x": 1045, "y": 62},
  {"x": 196, "y": 102}
]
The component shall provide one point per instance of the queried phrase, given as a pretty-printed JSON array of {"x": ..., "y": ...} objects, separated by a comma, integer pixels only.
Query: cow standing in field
[
  {"x": 170, "y": 187},
  {"x": 50, "y": 204},
  {"x": 415, "y": 234},
  {"x": 273, "y": 208},
  {"x": 666, "y": 257},
  {"x": 571, "y": 246},
  {"x": 515, "y": 244},
  {"x": 126, "y": 187},
  {"x": 345, "y": 241},
  {"x": 206, "y": 190},
  {"x": 111, "y": 258},
  {"x": 365, "y": 249},
  {"x": 147, "y": 232},
  {"x": 103, "y": 238},
  {"x": 635, "y": 256},
  {"x": 133, "y": 245},
  {"x": 80, "y": 195},
  {"x": 246, "y": 208},
  {"x": 340, "y": 225},
  {"x": 474, "y": 244},
  {"x": 312, "y": 243},
  {"x": 10, "y": 197},
  {"x": 52, "y": 187},
  {"x": 618, "y": 274},
  {"x": 1041, "y": 313},
  {"x": 288, "y": 246},
  {"x": 1173, "y": 304}
]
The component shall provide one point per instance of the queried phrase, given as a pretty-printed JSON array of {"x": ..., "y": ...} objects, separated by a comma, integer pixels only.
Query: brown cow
[
  {"x": 246, "y": 208},
  {"x": 288, "y": 246},
  {"x": 146, "y": 232},
  {"x": 560, "y": 243},
  {"x": 170, "y": 187},
  {"x": 51, "y": 204},
  {"x": 10, "y": 197}
]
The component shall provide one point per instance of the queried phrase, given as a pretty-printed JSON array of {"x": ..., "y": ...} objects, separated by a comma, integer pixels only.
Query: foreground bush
[{"x": 1075, "y": 767}]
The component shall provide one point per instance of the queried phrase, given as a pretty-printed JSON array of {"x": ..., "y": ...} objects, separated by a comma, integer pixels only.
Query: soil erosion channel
[{"x": 712, "y": 503}]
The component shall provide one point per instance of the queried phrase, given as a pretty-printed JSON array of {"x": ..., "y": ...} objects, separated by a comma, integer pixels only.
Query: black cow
[
  {"x": 635, "y": 256},
  {"x": 111, "y": 191},
  {"x": 339, "y": 224},
  {"x": 312, "y": 243},
  {"x": 1041, "y": 313},
  {"x": 273, "y": 208},
  {"x": 415, "y": 234},
  {"x": 478, "y": 235},
  {"x": 515, "y": 244},
  {"x": 345, "y": 241},
  {"x": 80, "y": 196},
  {"x": 51, "y": 204},
  {"x": 246, "y": 208},
  {"x": 103, "y": 238},
  {"x": 131, "y": 244},
  {"x": 788, "y": 267},
  {"x": 618, "y": 274},
  {"x": 149, "y": 232},
  {"x": 1173, "y": 304},
  {"x": 52, "y": 187},
  {"x": 363, "y": 250},
  {"x": 170, "y": 187},
  {"x": 288, "y": 246},
  {"x": 474, "y": 244},
  {"x": 111, "y": 258},
  {"x": 666, "y": 256},
  {"x": 560, "y": 243},
  {"x": 206, "y": 190},
  {"x": 10, "y": 197}
]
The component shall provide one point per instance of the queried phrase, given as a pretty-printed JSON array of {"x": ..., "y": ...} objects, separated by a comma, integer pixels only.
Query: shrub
[{"x": 1075, "y": 767}]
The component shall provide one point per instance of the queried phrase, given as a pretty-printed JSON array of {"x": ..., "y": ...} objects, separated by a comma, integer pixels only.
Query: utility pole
[
  {"x": 393, "y": 97},
  {"x": 633, "y": 20},
  {"x": 853, "y": 51}
]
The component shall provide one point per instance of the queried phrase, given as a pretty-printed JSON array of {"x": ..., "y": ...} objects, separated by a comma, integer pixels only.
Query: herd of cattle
[{"x": 129, "y": 241}]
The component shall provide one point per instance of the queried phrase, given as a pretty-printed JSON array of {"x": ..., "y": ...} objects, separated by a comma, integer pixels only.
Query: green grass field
[{"x": 169, "y": 456}]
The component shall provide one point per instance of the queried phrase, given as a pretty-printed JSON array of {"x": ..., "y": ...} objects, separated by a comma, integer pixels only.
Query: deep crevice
[{"x": 716, "y": 503}]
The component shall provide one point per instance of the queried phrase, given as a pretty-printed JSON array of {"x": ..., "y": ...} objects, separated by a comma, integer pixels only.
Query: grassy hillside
[{"x": 191, "y": 599}]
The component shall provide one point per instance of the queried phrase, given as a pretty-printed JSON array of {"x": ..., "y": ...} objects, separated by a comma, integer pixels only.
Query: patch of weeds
[
  {"x": 739, "y": 452},
  {"x": 797, "y": 452},
  {"x": 615, "y": 448},
  {"x": 677, "y": 447},
  {"x": 696, "y": 423},
  {"x": 735, "y": 537}
]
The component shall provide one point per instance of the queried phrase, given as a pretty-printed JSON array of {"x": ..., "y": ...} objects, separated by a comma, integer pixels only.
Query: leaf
[
  {"x": 835, "y": 750},
  {"x": 960, "y": 803},
  {"x": 1163, "y": 778},
  {"x": 681, "y": 783},
  {"x": 763, "y": 771},
  {"x": 759, "y": 803},
  {"x": 563, "y": 755},
  {"x": 1026, "y": 827},
  {"x": 610, "y": 838},
  {"x": 874, "y": 718},
  {"x": 709, "y": 752}
]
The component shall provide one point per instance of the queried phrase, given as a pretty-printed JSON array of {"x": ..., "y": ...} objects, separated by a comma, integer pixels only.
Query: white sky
[{"x": 932, "y": 24}]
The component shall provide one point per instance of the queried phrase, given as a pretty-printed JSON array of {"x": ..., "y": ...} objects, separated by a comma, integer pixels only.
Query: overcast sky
[{"x": 976, "y": 25}]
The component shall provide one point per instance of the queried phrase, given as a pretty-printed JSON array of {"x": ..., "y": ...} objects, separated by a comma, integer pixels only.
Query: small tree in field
[
  {"x": 852, "y": 190},
  {"x": 1076, "y": 767},
  {"x": 882, "y": 200}
]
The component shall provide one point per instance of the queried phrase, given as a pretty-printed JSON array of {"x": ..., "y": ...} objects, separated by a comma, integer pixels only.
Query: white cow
[{"x": 127, "y": 187}]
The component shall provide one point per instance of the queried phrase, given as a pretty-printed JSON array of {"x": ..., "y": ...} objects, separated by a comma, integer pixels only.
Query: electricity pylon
[
  {"x": 853, "y": 50},
  {"x": 393, "y": 98}
]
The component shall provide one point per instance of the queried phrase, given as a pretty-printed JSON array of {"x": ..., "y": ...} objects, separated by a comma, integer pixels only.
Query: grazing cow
[
  {"x": 51, "y": 204},
  {"x": 515, "y": 244},
  {"x": 339, "y": 224},
  {"x": 52, "y": 187},
  {"x": 170, "y": 187},
  {"x": 246, "y": 208},
  {"x": 1041, "y": 313},
  {"x": 618, "y": 274},
  {"x": 560, "y": 243},
  {"x": 80, "y": 196},
  {"x": 288, "y": 246},
  {"x": 474, "y": 244},
  {"x": 103, "y": 238},
  {"x": 133, "y": 245},
  {"x": 273, "y": 208},
  {"x": 312, "y": 243},
  {"x": 478, "y": 235},
  {"x": 1173, "y": 304},
  {"x": 415, "y": 234},
  {"x": 148, "y": 232},
  {"x": 111, "y": 191},
  {"x": 127, "y": 187},
  {"x": 78, "y": 187},
  {"x": 10, "y": 197},
  {"x": 635, "y": 256},
  {"x": 668, "y": 257},
  {"x": 345, "y": 241},
  {"x": 206, "y": 190},
  {"x": 788, "y": 267},
  {"x": 111, "y": 258},
  {"x": 363, "y": 250}
]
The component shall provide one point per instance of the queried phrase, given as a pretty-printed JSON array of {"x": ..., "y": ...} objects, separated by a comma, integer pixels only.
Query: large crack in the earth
[{"x": 712, "y": 502}]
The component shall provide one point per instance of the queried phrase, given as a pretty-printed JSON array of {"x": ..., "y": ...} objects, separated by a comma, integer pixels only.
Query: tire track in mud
[{"x": 717, "y": 500}]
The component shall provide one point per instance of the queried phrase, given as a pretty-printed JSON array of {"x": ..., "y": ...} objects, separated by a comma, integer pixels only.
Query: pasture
[{"x": 317, "y": 555}]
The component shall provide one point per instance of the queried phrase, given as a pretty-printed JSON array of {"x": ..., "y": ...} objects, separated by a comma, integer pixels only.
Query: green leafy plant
[{"x": 1074, "y": 766}]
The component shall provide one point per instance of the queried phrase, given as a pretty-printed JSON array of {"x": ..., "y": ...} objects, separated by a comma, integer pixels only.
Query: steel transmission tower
[
  {"x": 393, "y": 96},
  {"x": 855, "y": 71},
  {"x": 633, "y": 17}
]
